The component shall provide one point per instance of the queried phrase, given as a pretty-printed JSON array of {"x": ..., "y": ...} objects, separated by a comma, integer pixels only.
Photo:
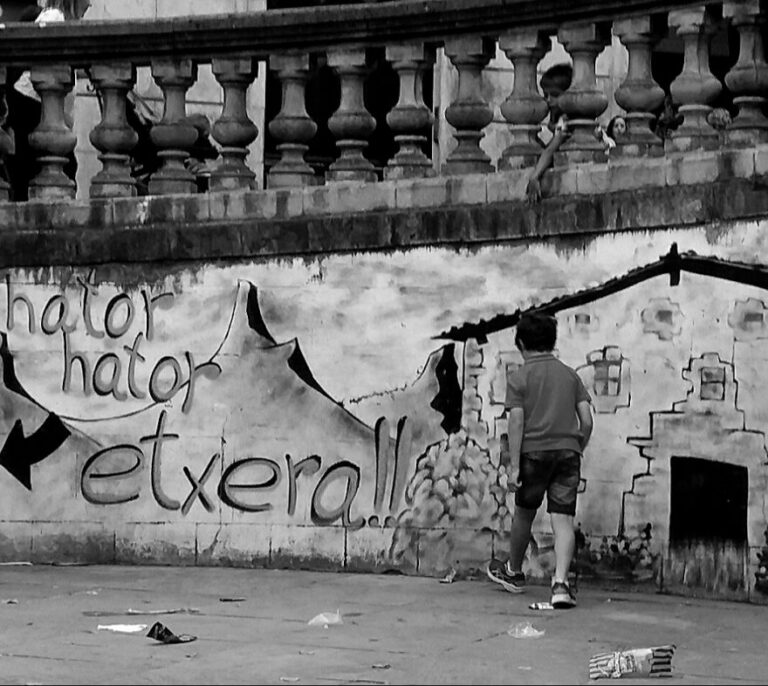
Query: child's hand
[
  {"x": 513, "y": 482},
  {"x": 533, "y": 192}
]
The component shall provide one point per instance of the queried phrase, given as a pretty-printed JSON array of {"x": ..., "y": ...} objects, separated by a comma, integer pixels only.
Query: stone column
[
  {"x": 292, "y": 126},
  {"x": 351, "y": 123},
  {"x": 748, "y": 79},
  {"x": 233, "y": 130},
  {"x": 639, "y": 95},
  {"x": 6, "y": 143},
  {"x": 52, "y": 139},
  {"x": 410, "y": 116},
  {"x": 173, "y": 136},
  {"x": 469, "y": 113},
  {"x": 525, "y": 108},
  {"x": 695, "y": 87},
  {"x": 113, "y": 137},
  {"x": 584, "y": 101}
]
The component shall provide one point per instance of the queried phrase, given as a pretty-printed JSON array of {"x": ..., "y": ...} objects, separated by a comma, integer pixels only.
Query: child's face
[
  {"x": 551, "y": 94},
  {"x": 620, "y": 127}
]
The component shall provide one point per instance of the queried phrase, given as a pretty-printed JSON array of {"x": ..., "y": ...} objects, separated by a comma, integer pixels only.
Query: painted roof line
[{"x": 672, "y": 263}]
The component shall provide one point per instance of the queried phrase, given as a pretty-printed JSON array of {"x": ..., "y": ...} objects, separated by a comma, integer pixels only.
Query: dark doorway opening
[
  {"x": 708, "y": 546},
  {"x": 708, "y": 500}
]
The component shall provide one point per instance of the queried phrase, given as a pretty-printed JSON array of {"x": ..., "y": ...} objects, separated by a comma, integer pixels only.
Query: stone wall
[{"x": 322, "y": 410}]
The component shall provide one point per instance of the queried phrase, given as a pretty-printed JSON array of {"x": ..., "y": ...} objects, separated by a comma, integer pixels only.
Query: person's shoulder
[
  {"x": 568, "y": 368},
  {"x": 52, "y": 14}
]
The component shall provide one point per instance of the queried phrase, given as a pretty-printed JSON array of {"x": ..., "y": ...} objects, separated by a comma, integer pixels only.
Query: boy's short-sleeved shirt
[{"x": 547, "y": 391}]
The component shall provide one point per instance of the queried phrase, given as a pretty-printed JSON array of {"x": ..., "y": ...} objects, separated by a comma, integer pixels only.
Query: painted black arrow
[{"x": 19, "y": 452}]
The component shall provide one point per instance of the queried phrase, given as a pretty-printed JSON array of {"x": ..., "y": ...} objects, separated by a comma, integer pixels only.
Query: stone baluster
[
  {"x": 351, "y": 123},
  {"x": 53, "y": 140},
  {"x": 639, "y": 95},
  {"x": 525, "y": 108},
  {"x": 292, "y": 126},
  {"x": 748, "y": 79},
  {"x": 584, "y": 101},
  {"x": 695, "y": 87},
  {"x": 233, "y": 130},
  {"x": 469, "y": 113},
  {"x": 410, "y": 116},
  {"x": 6, "y": 142},
  {"x": 174, "y": 135},
  {"x": 113, "y": 137}
]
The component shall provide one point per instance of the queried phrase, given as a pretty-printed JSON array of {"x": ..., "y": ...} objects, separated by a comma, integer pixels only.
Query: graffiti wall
[{"x": 348, "y": 411}]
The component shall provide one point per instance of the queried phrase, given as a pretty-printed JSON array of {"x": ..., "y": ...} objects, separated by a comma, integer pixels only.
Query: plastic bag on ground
[
  {"x": 324, "y": 619},
  {"x": 525, "y": 630}
]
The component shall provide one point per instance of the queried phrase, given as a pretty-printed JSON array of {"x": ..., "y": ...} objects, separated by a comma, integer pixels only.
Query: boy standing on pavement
[{"x": 549, "y": 425}]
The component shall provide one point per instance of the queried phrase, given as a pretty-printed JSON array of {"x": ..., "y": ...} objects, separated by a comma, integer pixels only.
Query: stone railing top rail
[
  {"x": 264, "y": 33},
  {"x": 681, "y": 189}
]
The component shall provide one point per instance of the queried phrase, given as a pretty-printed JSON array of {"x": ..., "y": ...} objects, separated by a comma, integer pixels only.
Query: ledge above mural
[{"x": 347, "y": 412}]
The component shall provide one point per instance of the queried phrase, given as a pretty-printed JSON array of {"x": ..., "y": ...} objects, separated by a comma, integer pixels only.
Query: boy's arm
[
  {"x": 533, "y": 191},
  {"x": 515, "y": 440},
  {"x": 584, "y": 411}
]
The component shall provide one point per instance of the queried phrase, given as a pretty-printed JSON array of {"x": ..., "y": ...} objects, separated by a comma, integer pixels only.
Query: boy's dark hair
[
  {"x": 537, "y": 332},
  {"x": 560, "y": 75}
]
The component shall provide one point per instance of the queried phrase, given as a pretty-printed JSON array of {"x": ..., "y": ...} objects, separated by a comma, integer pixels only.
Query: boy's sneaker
[
  {"x": 499, "y": 571},
  {"x": 562, "y": 596}
]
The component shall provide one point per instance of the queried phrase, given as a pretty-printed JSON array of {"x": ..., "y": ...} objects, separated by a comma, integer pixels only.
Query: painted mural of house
[{"x": 675, "y": 363}]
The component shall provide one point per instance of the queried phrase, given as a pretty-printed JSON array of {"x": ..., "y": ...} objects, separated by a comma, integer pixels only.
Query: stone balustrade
[{"x": 408, "y": 34}]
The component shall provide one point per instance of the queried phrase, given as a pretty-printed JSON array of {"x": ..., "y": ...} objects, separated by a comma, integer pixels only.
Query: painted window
[{"x": 712, "y": 383}]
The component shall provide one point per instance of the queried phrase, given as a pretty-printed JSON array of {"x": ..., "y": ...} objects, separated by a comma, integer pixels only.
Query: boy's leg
[
  {"x": 534, "y": 477},
  {"x": 520, "y": 537},
  {"x": 561, "y": 504},
  {"x": 535, "y": 473},
  {"x": 565, "y": 544}
]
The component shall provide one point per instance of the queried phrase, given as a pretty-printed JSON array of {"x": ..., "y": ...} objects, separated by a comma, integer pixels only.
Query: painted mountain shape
[{"x": 432, "y": 403}]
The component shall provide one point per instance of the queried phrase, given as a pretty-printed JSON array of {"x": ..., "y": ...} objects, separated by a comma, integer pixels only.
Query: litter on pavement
[
  {"x": 450, "y": 577},
  {"x": 525, "y": 630},
  {"x": 122, "y": 628},
  {"x": 541, "y": 606},
  {"x": 636, "y": 662},
  {"x": 173, "y": 611},
  {"x": 325, "y": 619},
  {"x": 162, "y": 633}
]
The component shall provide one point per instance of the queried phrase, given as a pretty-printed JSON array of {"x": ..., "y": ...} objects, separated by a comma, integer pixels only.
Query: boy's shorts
[{"x": 554, "y": 472}]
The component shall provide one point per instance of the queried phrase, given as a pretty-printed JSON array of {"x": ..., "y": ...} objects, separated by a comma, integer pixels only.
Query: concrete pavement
[{"x": 396, "y": 630}]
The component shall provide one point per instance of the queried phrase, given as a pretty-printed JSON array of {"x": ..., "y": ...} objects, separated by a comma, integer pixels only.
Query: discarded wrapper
[
  {"x": 162, "y": 633},
  {"x": 326, "y": 618},
  {"x": 544, "y": 605},
  {"x": 637, "y": 662},
  {"x": 450, "y": 577},
  {"x": 122, "y": 628}
]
